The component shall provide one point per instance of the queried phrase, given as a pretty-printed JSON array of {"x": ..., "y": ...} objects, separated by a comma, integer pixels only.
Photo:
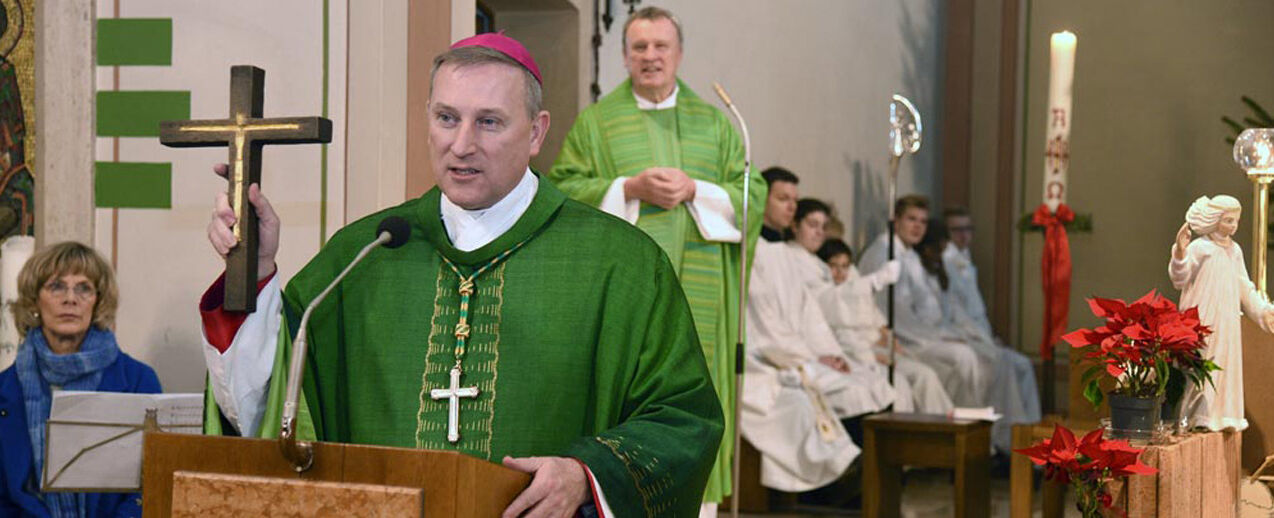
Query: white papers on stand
[
  {"x": 985, "y": 413},
  {"x": 94, "y": 439}
]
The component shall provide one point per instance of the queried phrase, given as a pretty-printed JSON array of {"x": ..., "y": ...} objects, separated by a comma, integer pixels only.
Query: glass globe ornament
[{"x": 1254, "y": 151}]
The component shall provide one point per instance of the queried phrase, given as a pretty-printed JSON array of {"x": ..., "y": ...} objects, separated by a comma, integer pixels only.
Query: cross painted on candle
[
  {"x": 1058, "y": 124},
  {"x": 1056, "y": 154}
]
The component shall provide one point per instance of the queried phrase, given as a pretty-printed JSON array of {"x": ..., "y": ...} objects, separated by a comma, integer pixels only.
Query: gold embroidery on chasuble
[
  {"x": 480, "y": 363},
  {"x": 641, "y": 468}
]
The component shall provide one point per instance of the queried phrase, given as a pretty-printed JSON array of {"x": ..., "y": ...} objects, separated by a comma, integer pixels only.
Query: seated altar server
[
  {"x": 967, "y": 313},
  {"x": 918, "y": 308},
  {"x": 798, "y": 383},
  {"x": 805, "y": 267},
  {"x": 780, "y": 203},
  {"x": 957, "y": 258},
  {"x": 1012, "y": 389},
  {"x": 570, "y": 323},
  {"x": 860, "y": 326}
]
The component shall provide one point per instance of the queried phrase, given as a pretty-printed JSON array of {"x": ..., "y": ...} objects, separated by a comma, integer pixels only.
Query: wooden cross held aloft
[{"x": 245, "y": 132}]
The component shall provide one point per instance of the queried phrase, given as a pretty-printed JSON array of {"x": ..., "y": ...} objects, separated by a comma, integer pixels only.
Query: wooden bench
[
  {"x": 891, "y": 441},
  {"x": 753, "y": 497}
]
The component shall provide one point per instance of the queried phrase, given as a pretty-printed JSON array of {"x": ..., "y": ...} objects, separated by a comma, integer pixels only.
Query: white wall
[
  {"x": 813, "y": 80},
  {"x": 377, "y": 103},
  {"x": 164, "y": 260}
]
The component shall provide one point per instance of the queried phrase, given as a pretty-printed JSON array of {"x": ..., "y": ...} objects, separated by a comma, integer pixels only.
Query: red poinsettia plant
[
  {"x": 1139, "y": 343},
  {"x": 1086, "y": 465}
]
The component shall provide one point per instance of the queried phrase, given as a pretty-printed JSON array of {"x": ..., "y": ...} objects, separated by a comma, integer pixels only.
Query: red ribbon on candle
[{"x": 1056, "y": 273}]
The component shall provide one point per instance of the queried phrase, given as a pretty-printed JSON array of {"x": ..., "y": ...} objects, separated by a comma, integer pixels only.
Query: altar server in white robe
[
  {"x": 859, "y": 325},
  {"x": 1211, "y": 275},
  {"x": 799, "y": 384},
  {"x": 800, "y": 265},
  {"x": 1012, "y": 389},
  {"x": 958, "y": 260},
  {"x": 966, "y": 311},
  {"x": 918, "y": 309},
  {"x": 808, "y": 233}
]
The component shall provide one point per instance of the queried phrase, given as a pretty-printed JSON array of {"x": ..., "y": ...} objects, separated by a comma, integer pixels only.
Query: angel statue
[{"x": 1212, "y": 276}]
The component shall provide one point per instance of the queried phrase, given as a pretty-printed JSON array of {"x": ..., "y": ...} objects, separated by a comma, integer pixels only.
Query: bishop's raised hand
[{"x": 222, "y": 237}]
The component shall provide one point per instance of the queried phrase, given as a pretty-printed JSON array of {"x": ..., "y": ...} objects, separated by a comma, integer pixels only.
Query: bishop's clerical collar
[
  {"x": 647, "y": 104},
  {"x": 472, "y": 229}
]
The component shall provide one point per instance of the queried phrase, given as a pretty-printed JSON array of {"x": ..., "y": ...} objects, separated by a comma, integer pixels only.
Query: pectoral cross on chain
[
  {"x": 453, "y": 395},
  {"x": 245, "y": 133}
]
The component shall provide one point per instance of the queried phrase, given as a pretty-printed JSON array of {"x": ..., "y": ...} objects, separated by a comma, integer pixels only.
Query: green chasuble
[
  {"x": 582, "y": 345},
  {"x": 613, "y": 139}
]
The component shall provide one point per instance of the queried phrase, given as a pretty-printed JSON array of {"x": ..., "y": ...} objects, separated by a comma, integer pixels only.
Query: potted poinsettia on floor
[
  {"x": 1087, "y": 465},
  {"x": 1138, "y": 346}
]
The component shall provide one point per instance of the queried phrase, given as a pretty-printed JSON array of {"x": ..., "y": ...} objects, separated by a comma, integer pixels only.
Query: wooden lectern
[{"x": 453, "y": 484}]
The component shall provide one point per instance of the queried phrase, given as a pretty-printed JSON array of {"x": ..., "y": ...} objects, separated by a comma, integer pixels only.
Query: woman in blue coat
[{"x": 66, "y": 308}]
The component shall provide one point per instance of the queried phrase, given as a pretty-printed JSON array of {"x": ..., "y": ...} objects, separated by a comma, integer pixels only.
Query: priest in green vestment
[
  {"x": 656, "y": 154},
  {"x": 566, "y": 329}
]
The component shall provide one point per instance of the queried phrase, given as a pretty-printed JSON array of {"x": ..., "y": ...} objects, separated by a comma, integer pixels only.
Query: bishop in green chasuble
[
  {"x": 615, "y": 139},
  {"x": 581, "y": 345}
]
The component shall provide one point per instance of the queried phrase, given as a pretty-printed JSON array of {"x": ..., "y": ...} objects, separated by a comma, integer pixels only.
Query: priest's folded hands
[{"x": 662, "y": 186}]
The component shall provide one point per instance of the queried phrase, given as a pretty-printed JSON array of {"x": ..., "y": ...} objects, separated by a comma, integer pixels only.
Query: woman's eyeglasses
[{"x": 82, "y": 291}]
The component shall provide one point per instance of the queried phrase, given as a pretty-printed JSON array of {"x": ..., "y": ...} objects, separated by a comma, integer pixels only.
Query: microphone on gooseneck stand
[{"x": 392, "y": 232}]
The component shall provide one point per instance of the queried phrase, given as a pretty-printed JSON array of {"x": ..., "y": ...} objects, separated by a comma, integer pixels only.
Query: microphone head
[{"x": 399, "y": 230}]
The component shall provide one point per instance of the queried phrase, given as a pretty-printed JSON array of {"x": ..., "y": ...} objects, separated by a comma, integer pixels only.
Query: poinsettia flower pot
[{"x": 1134, "y": 415}]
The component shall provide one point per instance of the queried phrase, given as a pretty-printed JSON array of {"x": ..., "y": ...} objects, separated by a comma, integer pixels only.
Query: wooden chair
[{"x": 753, "y": 497}]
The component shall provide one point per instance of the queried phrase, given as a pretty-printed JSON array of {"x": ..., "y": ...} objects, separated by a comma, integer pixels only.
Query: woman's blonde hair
[{"x": 55, "y": 261}]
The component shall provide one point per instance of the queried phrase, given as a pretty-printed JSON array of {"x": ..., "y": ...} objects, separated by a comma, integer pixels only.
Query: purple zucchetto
[{"x": 505, "y": 45}]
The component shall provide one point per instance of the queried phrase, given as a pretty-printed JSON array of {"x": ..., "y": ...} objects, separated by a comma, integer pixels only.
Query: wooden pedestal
[
  {"x": 1258, "y": 395},
  {"x": 454, "y": 485},
  {"x": 891, "y": 441},
  {"x": 1198, "y": 476}
]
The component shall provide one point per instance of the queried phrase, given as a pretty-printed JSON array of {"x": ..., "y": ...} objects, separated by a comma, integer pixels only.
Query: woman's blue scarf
[{"x": 38, "y": 370}]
